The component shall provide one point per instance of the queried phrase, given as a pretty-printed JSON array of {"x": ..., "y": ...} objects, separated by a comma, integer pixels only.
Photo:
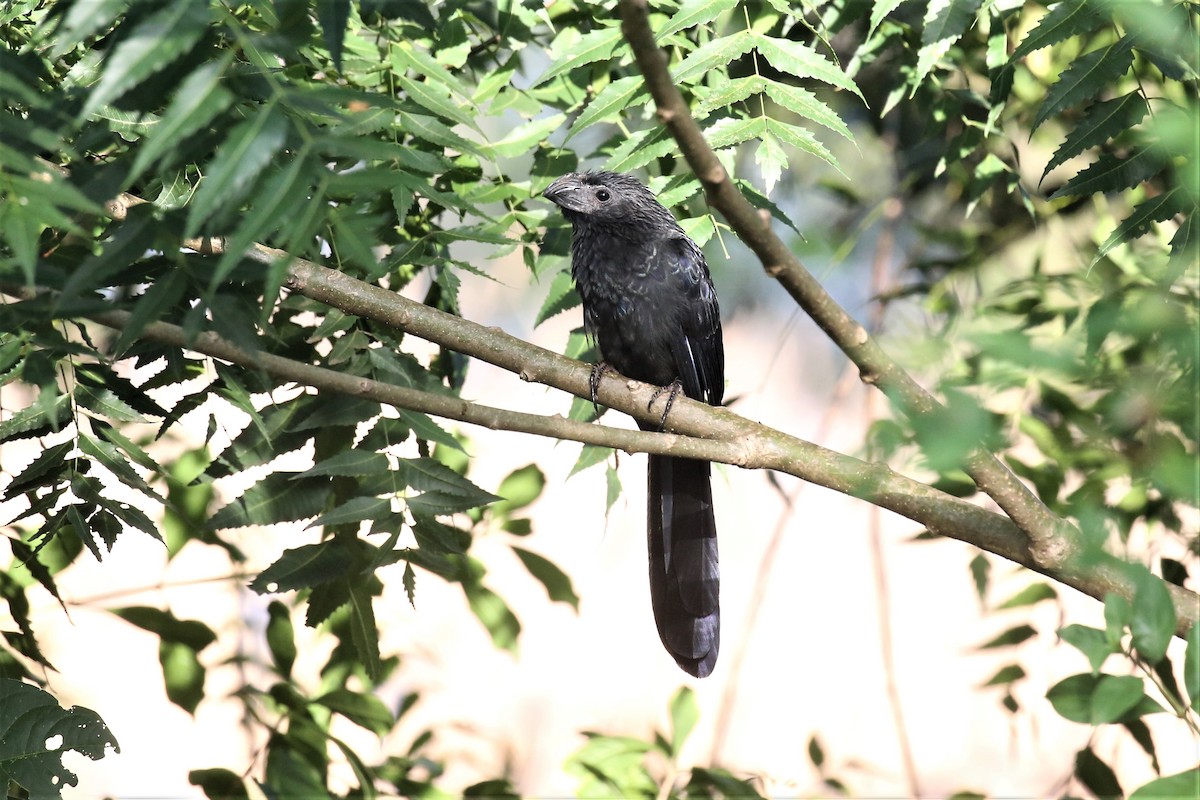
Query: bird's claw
[
  {"x": 671, "y": 390},
  {"x": 598, "y": 370}
]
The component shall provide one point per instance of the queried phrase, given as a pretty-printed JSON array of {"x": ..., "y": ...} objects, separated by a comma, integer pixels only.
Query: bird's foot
[
  {"x": 671, "y": 390},
  {"x": 598, "y": 370}
]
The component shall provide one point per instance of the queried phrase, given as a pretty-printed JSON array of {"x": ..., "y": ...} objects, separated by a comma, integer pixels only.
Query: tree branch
[{"x": 1054, "y": 540}]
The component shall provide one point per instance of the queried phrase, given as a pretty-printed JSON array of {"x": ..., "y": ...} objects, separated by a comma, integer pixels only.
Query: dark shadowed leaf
[{"x": 557, "y": 583}]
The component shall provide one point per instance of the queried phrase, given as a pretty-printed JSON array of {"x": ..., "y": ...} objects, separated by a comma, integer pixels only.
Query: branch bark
[
  {"x": 1054, "y": 541},
  {"x": 697, "y": 429}
]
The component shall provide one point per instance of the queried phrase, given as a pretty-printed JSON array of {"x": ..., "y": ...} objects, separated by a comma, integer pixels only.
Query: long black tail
[{"x": 684, "y": 576}]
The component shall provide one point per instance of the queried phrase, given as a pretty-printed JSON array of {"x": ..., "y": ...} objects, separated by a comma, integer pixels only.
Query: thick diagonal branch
[{"x": 1053, "y": 539}]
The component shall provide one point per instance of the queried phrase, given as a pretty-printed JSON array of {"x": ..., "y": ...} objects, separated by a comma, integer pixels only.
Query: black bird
[{"x": 649, "y": 303}]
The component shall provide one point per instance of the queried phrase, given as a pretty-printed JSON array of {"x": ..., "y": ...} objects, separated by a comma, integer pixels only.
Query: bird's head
[{"x": 607, "y": 199}]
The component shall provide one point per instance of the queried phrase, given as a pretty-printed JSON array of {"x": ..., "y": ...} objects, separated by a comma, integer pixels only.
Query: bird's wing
[{"x": 697, "y": 351}]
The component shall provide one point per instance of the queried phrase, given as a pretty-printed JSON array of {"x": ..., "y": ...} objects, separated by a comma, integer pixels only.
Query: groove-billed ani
[{"x": 649, "y": 303}]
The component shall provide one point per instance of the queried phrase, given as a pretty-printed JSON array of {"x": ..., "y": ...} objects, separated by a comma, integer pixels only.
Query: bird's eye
[{"x": 602, "y": 195}]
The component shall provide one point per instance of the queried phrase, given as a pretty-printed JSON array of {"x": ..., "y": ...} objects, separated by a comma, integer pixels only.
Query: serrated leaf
[
  {"x": 693, "y": 13},
  {"x": 333, "y": 16},
  {"x": 428, "y": 475},
  {"x": 567, "y": 54},
  {"x": 348, "y": 462},
  {"x": 945, "y": 23},
  {"x": 426, "y": 429},
  {"x": 881, "y": 9},
  {"x": 711, "y": 55},
  {"x": 642, "y": 148},
  {"x": 159, "y": 39},
  {"x": 1067, "y": 18},
  {"x": 199, "y": 98},
  {"x": 560, "y": 297},
  {"x": 802, "y": 139},
  {"x": 354, "y": 510},
  {"x": 114, "y": 461},
  {"x": 1156, "y": 209},
  {"x": 1102, "y": 122},
  {"x": 523, "y": 139},
  {"x": 30, "y": 719},
  {"x": 1112, "y": 174},
  {"x": 106, "y": 405},
  {"x": 276, "y": 498},
  {"x": 305, "y": 567},
  {"x": 433, "y": 97},
  {"x": 1087, "y": 77},
  {"x": 802, "y": 61},
  {"x": 806, "y": 104},
  {"x": 590, "y": 455},
  {"x": 612, "y": 99},
  {"x": 557, "y": 583},
  {"x": 246, "y": 151},
  {"x": 771, "y": 159},
  {"x": 434, "y": 131},
  {"x": 363, "y": 629}
]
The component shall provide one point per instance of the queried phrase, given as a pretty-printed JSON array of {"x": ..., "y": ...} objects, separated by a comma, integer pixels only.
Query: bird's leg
[
  {"x": 598, "y": 370},
  {"x": 671, "y": 390}
]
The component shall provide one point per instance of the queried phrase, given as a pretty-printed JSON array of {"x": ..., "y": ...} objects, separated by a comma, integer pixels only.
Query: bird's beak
[{"x": 565, "y": 192}]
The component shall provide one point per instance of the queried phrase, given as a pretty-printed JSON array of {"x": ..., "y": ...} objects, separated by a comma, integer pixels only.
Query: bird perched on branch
[{"x": 649, "y": 303}]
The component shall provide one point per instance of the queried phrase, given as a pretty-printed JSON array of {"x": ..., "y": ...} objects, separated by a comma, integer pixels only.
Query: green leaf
[
  {"x": 1092, "y": 642},
  {"x": 333, "y": 16},
  {"x": 590, "y": 455},
  {"x": 363, "y": 630},
  {"x": 1030, "y": 595},
  {"x": 246, "y": 151},
  {"x": 1067, "y": 18},
  {"x": 305, "y": 567},
  {"x": 1087, "y": 77},
  {"x": 364, "y": 710},
  {"x": 426, "y": 474},
  {"x": 802, "y": 61},
  {"x": 560, "y": 297},
  {"x": 188, "y": 632},
  {"x": 276, "y": 498},
  {"x": 518, "y": 489},
  {"x": 35, "y": 732},
  {"x": 685, "y": 712},
  {"x": 945, "y": 23},
  {"x": 1170, "y": 787},
  {"x": 433, "y": 97},
  {"x": 1096, "y": 699},
  {"x": 156, "y": 41},
  {"x": 1097, "y": 776},
  {"x": 354, "y": 510},
  {"x": 1012, "y": 636},
  {"x": 426, "y": 429},
  {"x": 1153, "y": 619},
  {"x": 200, "y": 97},
  {"x": 525, "y": 137},
  {"x": 805, "y": 103},
  {"x": 495, "y": 615},
  {"x": 1159, "y": 208},
  {"x": 713, "y": 54},
  {"x": 557, "y": 583},
  {"x": 567, "y": 53},
  {"x": 183, "y": 675},
  {"x": 692, "y": 13},
  {"x": 1191, "y": 666},
  {"x": 281, "y": 637},
  {"x": 1103, "y": 121},
  {"x": 1112, "y": 174},
  {"x": 1006, "y": 675},
  {"x": 219, "y": 784},
  {"x": 348, "y": 462},
  {"x": 880, "y": 10},
  {"x": 613, "y": 98}
]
